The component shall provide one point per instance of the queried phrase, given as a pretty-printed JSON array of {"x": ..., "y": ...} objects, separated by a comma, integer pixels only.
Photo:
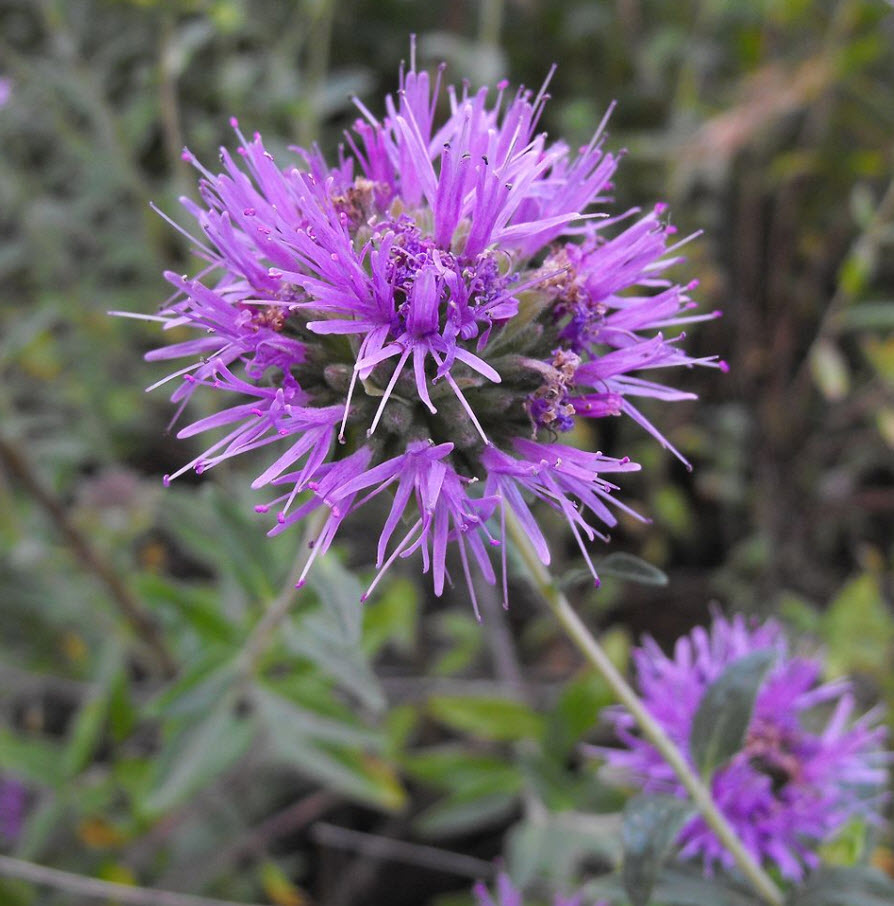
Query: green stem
[
  {"x": 651, "y": 729},
  {"x": 262, "y": 634}
]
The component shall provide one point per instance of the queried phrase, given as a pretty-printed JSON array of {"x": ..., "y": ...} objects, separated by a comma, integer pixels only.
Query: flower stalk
[{"x": 584, "y": 641}]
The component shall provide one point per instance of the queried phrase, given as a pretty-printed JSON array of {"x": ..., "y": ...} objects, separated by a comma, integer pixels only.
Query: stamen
[
  {"x": 389, "y": 562},
  {"x": 344, "y": 418},
  {"x": 397, "y": 370}
]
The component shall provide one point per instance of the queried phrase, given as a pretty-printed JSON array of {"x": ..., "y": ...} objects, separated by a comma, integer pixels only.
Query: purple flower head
[
  {"x": 797, "y": 779},
  {"x": 506, "y": 894},
  {"x": 425, "y": 318}
]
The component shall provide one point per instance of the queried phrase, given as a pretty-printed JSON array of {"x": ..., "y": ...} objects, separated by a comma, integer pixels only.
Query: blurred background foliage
[{"x": 387, "y": 753}]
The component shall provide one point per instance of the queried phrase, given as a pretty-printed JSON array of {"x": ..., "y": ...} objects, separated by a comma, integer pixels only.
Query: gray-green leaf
[
  {"x": 630, "y": 568},
  {"x": 196, "y": 755},
  {"x": 650, "y": 825},
  {"x": 837, "y": 886},
  {"x": 721, "y": 721}
]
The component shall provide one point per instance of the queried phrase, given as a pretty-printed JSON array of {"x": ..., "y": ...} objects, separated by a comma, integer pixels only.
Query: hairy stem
[
  {"x": 82, "y": 886},
  {"x": 651, "y": 729},
  {"x": 394, "y": 850}
]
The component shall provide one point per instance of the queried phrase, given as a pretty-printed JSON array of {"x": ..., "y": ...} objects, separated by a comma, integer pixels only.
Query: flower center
[{"x": 768, "y": 749}]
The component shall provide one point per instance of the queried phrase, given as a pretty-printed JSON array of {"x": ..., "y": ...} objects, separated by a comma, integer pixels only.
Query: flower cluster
[
  {"x": 797, "y": 779},
  {"x": 427, "y": 316}
]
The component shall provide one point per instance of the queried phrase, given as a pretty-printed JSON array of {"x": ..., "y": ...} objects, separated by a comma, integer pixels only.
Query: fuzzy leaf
[
  {"x": 487, "y": 717},
  {"x": 649, "y": 827},
  {"x": 293, "y": 723},
  {"x": 721, "y": 721},
  {"x": 856, "y": 886},
  {"x": 681, "y": 887},
  {"x": 631, "y": 568},
  {"x": 338, "y": 754},
  {"x": 196, "y": 755},
  {"x": 462, "y": 814},
  {"x": 340, "y": 592}
]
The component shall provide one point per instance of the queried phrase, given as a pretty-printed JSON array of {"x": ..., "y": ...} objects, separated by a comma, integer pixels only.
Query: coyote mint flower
[
  {"x": 797, "y": 779},
  {"x": 426, "y": 317}
]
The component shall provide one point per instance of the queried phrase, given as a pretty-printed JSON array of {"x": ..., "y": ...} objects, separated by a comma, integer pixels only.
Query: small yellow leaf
[
  {"x": 392, "y": 795},
  {"x": 117, "y": 874},
  {"x": 97, "y": 833},
  {"x": 279, "y": 889},
  {"x": 885, "y": 421},
  {"x": 883, "y": 858},
  {"x": 74, "y": 647},
  {"x": 830, "y": 371}
]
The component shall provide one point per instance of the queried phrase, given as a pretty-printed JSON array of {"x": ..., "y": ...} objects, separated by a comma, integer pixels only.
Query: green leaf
[
  {"x": 557, "y": 845},
  {"x": 461, "y": 814},
  {"x": 869, "y": 316},
  {"x": 575, "y": 713},
  {"x": 294, "y": 724},
  {"x": 856, "y": 886},
  {"x": 196, "y": 754},
  {"x": 90, "y": 721},
  {"x": 361, "y": 776},
  {"x": 335, "y": 753},
  {"x": 340, "y": 592},
  {"x": 316, "y": 637},
  {"x": 501, "y": 719},
  {"x": 671, "y": 509},
  {"x": 631, "y": 568},
  {"x": 682, "y": 887},
  {"x": 122, "y": 712},
  {"x": 399, "y": 724},
  {"x": 33, "y": 758},
  {"x": 198, "y": 607},
  {"x": 547, "y": 776},
  {"x": 23, "y": 329},
  {"x": 880, "y": 353},
  {"x": 465, "y": 641},
  {"x": 393, "y": 617},
  {"x": 650, "y": 825},
  {"x": 856, "y": 270},
  {"x": 239, "y": 549},
  {"x": 482, "y": 788},
  {"x": 465, "y": 773},
  {"x": 829, "y": 369},
  {"x": 721, "y": 721},
  {"x": 278, "y": 886},
  {"x": 858, "y": 629},
  {"x": 43, "y": 821},
  {"x": 204, "y": 684},
  {"x": 85, "y": 733}
]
